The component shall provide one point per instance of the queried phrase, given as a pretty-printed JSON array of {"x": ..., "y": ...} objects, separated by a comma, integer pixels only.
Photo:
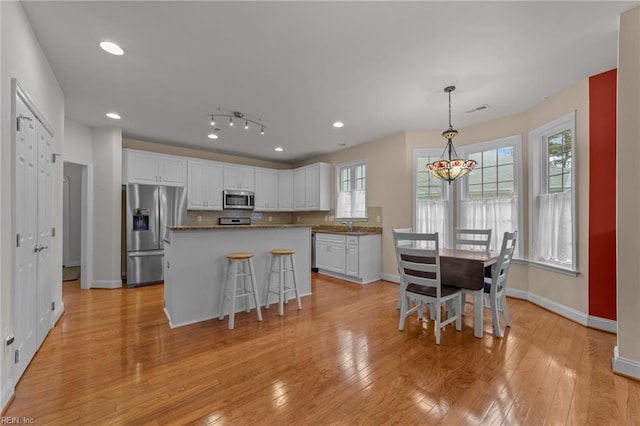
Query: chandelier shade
[{"x": 449, "y": 167}]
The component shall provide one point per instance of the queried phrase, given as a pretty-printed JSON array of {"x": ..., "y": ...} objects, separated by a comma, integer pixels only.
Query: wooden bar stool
[
  {"x": 278, "y": 266},
  {"x": 239, "y": 265}
]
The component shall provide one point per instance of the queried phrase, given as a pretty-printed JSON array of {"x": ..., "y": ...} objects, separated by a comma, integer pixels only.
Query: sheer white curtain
[
  {"x": 498, "y": 214},
  {"x": 351, "y": 204},
  {"x": 553, "y": 241},
  {"x": 433, "y": 216}
]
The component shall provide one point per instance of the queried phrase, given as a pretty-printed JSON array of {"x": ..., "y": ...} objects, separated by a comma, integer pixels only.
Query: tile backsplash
[{"x": 201, "y": 217}]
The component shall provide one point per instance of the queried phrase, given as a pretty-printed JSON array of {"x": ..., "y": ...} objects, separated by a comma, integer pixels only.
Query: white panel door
[
  {"x": 45, "y": 233},
  {"x": 26, "y": 228}
]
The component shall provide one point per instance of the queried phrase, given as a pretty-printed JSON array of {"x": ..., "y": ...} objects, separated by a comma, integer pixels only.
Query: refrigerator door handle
[{"x": 146, "y": 253}]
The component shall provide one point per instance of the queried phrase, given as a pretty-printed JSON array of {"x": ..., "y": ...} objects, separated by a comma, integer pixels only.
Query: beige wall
[
  {"x": 388, "y": 184},
  {"x": 628, "y": 179}
]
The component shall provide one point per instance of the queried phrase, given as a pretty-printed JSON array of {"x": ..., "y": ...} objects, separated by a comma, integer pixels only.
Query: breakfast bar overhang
[{"x": 195, "y": 259}]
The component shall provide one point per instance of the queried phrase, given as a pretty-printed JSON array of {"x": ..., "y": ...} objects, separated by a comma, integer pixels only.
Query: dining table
[{"x": 465, "y": 269}]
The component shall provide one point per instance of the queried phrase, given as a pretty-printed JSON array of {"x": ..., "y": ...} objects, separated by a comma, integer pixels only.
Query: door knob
[{"x": 37, "y": 248}]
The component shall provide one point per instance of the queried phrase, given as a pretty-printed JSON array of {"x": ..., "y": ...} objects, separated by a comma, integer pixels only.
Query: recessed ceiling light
[
  {"x": 113, "y": 115},
  {"x": 278, "y": 148},
  {"x": 338, "y": 124},
  {"x": 112, "y": 48},
  {"x": 212, "y": 135}
]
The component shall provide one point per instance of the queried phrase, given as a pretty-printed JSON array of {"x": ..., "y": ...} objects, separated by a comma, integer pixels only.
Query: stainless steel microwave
[{"x": 232, "y": 199}]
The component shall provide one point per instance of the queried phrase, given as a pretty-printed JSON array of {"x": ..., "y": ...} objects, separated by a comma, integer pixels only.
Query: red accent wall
[{"x": 602, "y": 194}]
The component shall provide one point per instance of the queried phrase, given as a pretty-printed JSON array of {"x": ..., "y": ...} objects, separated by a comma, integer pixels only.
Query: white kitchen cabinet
[
  {"x": 266, "y": 190},
  {"x": 356, "y": 258},
  {"x": 150, "y": 168},
  {"x": 239, "y": 177},
  {"x": 330, "y": 253},
  {"x": 285, "y": 190},
  {"x": 311, "y": 187},
  {"x": 299, "y": 189},
  {"x": 204, "y": 189}
]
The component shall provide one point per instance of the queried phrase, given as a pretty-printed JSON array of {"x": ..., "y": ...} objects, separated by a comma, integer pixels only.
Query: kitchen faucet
[{"x": 349, "y": 224}]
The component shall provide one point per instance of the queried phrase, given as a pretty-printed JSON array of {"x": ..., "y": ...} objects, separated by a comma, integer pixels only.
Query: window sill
[{"x": 546, "y": 266}]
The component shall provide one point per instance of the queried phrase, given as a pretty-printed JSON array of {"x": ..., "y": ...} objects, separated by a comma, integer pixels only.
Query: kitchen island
[{"x": 195, "y": 260}]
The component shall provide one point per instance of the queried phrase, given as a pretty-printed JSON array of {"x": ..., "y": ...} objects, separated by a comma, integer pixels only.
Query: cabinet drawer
[
  {"x": 352, "y": 239},
  {"x": 331, "y": 238}
]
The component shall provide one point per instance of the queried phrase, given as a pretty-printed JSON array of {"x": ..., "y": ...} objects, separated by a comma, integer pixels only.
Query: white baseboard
[
  {"x": 58, "y": 313},
  {"x": 625, "y": 366},
  {"x": 345, "y": 277},
  {"x": 391, "y": 277},
  {"x": 7, "y": 393},
  {"x": 109, "y": 284},
  {"x": 565, "y": 311},
  {"x": 603, "y": 324}
]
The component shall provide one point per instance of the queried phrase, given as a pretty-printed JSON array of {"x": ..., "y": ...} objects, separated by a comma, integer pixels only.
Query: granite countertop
[
  {"x": 217, "y": 227},
  {"x": 343, "y": 230}
]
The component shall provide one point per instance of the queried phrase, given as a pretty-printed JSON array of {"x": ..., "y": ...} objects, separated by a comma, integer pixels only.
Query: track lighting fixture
[{"x": 233, "y": 115}]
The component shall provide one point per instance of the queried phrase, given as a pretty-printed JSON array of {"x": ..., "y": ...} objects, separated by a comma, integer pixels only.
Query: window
[
  {"x": 352, "y": 194},
  {"x": 432, "y": 210},
  {"x": 490, "y": 194},
  {"x": 552, "y": 199}
]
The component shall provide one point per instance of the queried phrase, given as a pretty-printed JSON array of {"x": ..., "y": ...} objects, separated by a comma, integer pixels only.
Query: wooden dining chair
[
  {"x": 395, "y": 243},
  {"x": 419, "y": 266},
  {"x": 473, "y": 239},
  {"x": 495, "y": 287}
]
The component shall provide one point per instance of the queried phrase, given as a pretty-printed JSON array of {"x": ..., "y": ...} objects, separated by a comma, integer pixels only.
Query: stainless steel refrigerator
[{"x": 150, "y": 209}]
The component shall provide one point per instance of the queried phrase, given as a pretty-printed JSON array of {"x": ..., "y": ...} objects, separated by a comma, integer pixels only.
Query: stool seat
[
  {"x": 280, "y": 268},
  {"x": 282, "y": 252},
  {"x": 239, "y": 265},
  {"x": 239, "y": 256}
]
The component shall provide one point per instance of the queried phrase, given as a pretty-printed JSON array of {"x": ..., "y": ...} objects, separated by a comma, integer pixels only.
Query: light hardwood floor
[{"x": 112, "y": 359}]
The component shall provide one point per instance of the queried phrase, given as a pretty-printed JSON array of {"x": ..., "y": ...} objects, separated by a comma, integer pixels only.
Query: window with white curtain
[
  {"x": 352, "y": 190},
  {"x": 552, "y": 195},
  {"x": 432, "y": 209},
  {"x": 489, "y": 197}
]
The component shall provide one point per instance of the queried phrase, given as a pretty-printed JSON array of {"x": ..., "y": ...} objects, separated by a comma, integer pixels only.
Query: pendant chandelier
[{"x": 449, "y": 167}]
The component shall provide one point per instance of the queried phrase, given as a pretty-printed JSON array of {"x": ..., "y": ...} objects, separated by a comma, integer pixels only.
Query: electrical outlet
[
  {"x": 298, "y": 218},
  {"x": 325, "y": 218},
  {"x": 199, "y": 218},
  {"x": 378, "y": 219},
  {"x": 270, "y": 219}
]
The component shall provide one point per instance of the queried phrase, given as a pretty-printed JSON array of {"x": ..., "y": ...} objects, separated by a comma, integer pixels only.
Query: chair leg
[
  {"x": 459, "y": 309},
  {"x": 255, "y": 288},
  {"x": 295, "y": 282},
  {"x": 437, "y": 324},
  {"x": 269, "y": 282},
  {"x": 505, "y": 311},
  {"x": 404, "y": 305},
  {"x": 245, "y": 270},
  {"x": 234, "y": 291},
  {"x": 495, "y": 316},
  {"x": 281, "y": 285},
  {"x": 225, "y": 279}
]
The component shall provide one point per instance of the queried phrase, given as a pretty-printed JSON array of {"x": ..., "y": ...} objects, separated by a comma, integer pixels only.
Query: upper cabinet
[
  {"x": 311, "y": 187},
  {"x": 239, "y": 177},
  {"x": 285, "y": 190},
  {"x": 204, "y": 189},
  {"x": 266, "y": 189},
  {"x": 153, "y": 169}
]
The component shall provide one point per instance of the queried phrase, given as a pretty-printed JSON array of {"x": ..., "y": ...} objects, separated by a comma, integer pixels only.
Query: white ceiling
[{"x": 298, "y": 66}]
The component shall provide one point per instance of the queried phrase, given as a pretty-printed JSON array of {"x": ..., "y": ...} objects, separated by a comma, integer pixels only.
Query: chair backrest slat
[
  {"x": 499, "y": 279},
  {"x": 473, "y": 239},
  {"x": 418, "y": 258}
]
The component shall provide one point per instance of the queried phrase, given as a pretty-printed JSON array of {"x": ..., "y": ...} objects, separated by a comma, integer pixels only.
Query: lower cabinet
[{"x": 356, "y": 258}]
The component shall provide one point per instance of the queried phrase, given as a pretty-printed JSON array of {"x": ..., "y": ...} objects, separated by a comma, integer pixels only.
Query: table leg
[{"x": 478, "y": 313}]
